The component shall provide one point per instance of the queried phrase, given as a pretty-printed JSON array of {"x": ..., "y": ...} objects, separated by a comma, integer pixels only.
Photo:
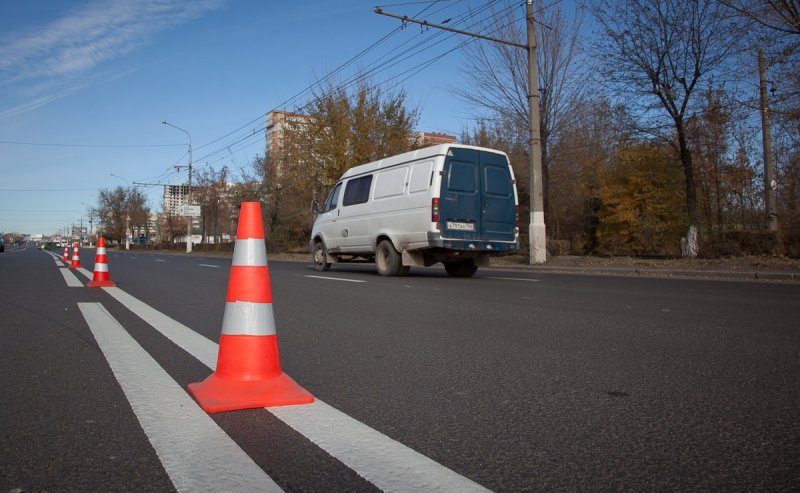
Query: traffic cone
[
  {"x": 66, "y": 253},
  {"x": 76, "y": 257},
  {"x": 101, "y": 279},
  {"x": 248, "y": 373}
]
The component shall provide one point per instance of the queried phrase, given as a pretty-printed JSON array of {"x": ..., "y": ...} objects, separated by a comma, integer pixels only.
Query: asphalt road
[{"x": 515, "y": 381}]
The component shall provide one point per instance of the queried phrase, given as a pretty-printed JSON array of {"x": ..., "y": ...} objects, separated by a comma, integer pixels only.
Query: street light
[
  {"x": 127, "y": 216},
  {"x": 91, "y": 216},
  {"x": 189, "y": 199}
]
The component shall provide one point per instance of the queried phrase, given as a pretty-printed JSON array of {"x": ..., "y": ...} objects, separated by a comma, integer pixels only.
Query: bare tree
[
  {"x": 778, "y": 15},
  {"x": 496, "y": 79},
  {"x": 661, "y": 50}
]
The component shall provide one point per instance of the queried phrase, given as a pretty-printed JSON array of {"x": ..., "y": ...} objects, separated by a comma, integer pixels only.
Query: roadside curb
[{"x": 650, "y": 272}]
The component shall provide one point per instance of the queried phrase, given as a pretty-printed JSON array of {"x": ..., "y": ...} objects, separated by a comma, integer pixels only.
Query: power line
[
  {"x": 405, "y": 55},
  {"x": 97, "y": 146}
]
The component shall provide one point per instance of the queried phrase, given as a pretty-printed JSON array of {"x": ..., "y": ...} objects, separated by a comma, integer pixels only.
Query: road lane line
[
  {"x": 383, "y": 461},
  {"x": 209, "y": 265},
  {"x": 366, "y": 451},
  {"x": 513, "y": 279},
  {"x": 72, "y": 279},
  {"x": 195, "y": 452},
  {"x": 335, "y": 279},
  {"x": 195, "y": 344},
  {"x": 160, "y": 260}
]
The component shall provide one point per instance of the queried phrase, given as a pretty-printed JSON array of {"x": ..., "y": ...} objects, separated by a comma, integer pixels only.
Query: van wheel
[
  {"x": 464, "y": 268},
  {"x": 387, "y": 260},
  {"x": 320, "y": 259}
]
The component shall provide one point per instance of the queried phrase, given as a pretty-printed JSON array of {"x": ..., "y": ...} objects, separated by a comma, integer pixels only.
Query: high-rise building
[{"x": 174, "y": 197}]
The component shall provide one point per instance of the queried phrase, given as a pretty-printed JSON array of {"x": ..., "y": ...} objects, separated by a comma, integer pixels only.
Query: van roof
[{"x": 425, "y": 152}]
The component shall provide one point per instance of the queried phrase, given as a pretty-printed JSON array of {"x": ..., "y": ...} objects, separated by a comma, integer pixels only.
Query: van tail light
[
  {"x": 516, "y": 209},
  {"x": 435, "y": 210}
]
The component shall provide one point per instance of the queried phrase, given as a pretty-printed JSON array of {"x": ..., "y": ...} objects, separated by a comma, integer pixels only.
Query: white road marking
[
  {"x": 514, "y": 279},
  {"x": 72, "y": 279},
  {"x": 335, "y": 279},
  {"x": 160, "y": 260},
  {"x": 195, "y": 452},
  {"x": 209, "y": 265},
  {"x": 385, "y": 462}
]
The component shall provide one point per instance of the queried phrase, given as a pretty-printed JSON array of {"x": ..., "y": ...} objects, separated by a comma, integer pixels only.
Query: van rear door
[{"x": 477, "y": 199}]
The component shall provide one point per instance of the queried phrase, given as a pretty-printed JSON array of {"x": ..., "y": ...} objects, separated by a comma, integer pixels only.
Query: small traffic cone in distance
[
  {"x": 100, "y": 278},
  {"x": 76, "y": 257},
  {"x": 66, "y": 253},
  {"x": 248, "y": 373}
]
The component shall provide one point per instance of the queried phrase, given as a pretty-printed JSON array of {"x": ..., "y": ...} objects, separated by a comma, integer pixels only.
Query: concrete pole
[
  {"x": 189, "y": 218},
  {"x": 536, "y": 229},
  {"x": 770, "y": 182}
]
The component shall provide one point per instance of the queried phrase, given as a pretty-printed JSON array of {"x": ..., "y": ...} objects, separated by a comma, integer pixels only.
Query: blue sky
[{"x": 85, "y": 85}]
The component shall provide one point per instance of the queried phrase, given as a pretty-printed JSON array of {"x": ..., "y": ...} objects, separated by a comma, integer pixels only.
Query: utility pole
[
  {"x": 537, "y": 234},
  {"x": 770, "y": 183},
  {"x": 189, "y": 195}
]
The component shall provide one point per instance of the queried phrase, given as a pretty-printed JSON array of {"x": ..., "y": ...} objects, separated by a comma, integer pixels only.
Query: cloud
[{"x": 77, "y": 43}]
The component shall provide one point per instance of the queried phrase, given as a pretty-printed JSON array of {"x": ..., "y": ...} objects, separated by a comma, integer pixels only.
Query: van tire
[
  {"x": 387, "y": 260},
  {"x": 320, "y": 257},
  {"x": 464, "y": 268}
]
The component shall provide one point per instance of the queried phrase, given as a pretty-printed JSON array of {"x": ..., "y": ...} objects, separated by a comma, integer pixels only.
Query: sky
[{"x": 85, "y": 85}]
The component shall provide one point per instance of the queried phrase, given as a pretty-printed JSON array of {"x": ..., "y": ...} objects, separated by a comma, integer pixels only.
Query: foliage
[
  {"x": 211, "y": 194},
  {"x": 114, "y": 207},
  {"x": 641, "y": 208},
  {"x": 664, "y": 49}
]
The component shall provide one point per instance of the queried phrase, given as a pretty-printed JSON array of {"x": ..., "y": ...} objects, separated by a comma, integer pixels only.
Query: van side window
[
  {"x": 390, "y": 183},
  {"x": 333, "y": 198},
  {"x": 357, "y": 190},
  {"x": 420, "y": 177}
]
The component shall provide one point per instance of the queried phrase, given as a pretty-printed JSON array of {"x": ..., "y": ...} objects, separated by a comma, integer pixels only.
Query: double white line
[{"x": 186, "y": 439}]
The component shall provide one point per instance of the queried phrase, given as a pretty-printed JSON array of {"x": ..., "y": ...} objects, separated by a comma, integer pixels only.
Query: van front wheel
[
  {"x": 387, "y": 260},
  {"x": 464, "y": 268},
  {"x": 320, "y": 258}
]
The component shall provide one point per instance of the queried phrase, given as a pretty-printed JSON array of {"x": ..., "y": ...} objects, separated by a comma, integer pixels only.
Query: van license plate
[{"x": 461, "y": 226}]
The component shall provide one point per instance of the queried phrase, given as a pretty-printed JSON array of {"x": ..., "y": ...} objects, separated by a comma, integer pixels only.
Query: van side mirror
[{"x": 315, "y": 207}]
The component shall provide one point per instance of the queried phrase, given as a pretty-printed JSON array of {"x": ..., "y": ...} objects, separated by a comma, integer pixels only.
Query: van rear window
[
  {"x": 498, "y": 181},
  {"x": 357, "y": 190},
  {"x": 462, "y": 177}
]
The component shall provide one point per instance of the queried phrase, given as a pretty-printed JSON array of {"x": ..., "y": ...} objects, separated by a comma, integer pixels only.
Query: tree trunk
[{"x": 689, "y": 247}]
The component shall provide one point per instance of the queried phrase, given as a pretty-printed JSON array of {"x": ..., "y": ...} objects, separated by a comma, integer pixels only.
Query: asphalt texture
[{"x": 518, "y": 380}]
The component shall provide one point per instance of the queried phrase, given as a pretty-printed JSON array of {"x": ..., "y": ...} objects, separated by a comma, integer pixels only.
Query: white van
[{"x": 450, "y": 203}]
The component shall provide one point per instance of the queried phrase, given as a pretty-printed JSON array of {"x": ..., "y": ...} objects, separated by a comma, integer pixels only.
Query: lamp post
[
  {"x": 91, "y": 216},
  {"x": 127, "y": 216},
  {"x": 189, "y": 197}
]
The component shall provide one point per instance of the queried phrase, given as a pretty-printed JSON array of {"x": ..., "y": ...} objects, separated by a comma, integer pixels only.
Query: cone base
[
  {"x": 216, "y": 394},
  {"x": 101, "y": 284},
  {"x": 73, "y": 266}
]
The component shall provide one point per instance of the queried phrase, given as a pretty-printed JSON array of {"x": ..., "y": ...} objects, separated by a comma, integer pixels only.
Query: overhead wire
[{"x": 405, "y": 55}]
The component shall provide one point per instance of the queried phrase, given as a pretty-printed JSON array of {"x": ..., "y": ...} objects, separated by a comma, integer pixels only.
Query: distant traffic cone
[
  {"x": 101, "y": 279},
  {"x": 76, "y": 257},
  {"x": 66, "y": 253},
  {"x": 248, "y": 373}
]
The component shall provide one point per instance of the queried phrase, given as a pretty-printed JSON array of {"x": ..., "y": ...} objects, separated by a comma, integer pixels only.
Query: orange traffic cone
[
  {"x": 76, "y": 257},
  {"x": 248, "y": 373},
  {"x": 66, "y": 253},
  {"x": 101, "y": 279}
]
